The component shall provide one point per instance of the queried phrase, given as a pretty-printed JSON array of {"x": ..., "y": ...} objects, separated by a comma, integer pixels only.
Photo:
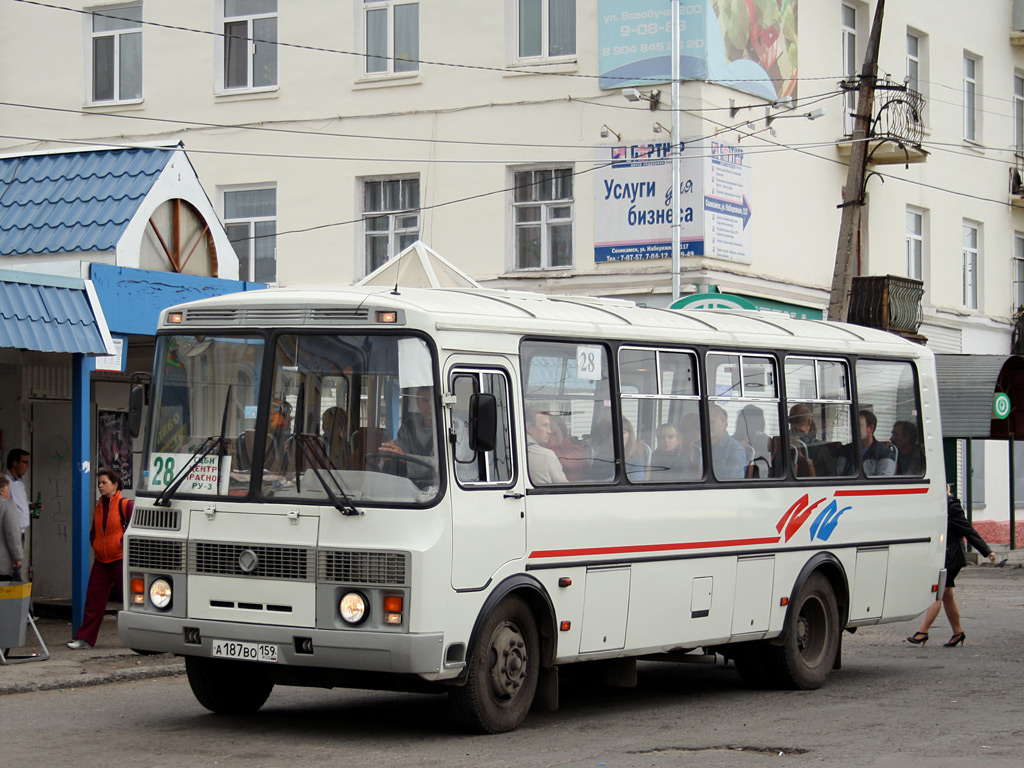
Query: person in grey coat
[{"x": 11, "y": 553}]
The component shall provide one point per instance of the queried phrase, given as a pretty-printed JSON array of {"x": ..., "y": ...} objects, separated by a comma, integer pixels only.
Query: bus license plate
[{"x": 233, "y": 649}]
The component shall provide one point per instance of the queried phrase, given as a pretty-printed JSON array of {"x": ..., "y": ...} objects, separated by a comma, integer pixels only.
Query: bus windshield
[{"x": 345, "y": 419}]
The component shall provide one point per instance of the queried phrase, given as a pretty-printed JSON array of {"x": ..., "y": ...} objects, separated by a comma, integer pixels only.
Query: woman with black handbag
[{"x": 957, "y": 528}]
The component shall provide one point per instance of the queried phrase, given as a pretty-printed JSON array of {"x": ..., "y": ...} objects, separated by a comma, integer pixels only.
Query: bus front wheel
[
  {"x": 811, "y": 642},
  {"x": 228, "y": 687},
  {"x": 503, "y": 671}
]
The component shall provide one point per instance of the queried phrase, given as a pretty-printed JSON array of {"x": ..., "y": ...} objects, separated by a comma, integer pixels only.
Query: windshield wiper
[
  {"x": 299, "y": 436},
  {"x": 200, "y": 453},
  {"x": 344, "y": 504}
]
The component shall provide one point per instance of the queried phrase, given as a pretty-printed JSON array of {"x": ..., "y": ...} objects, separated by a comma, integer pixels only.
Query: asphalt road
[{"x": 892, "y": 704}]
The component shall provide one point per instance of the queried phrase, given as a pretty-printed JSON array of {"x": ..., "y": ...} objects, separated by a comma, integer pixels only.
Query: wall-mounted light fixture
[
  {"x": 653, "y": 98},
  {"x": 814, "y": 114},
  {"x": 606, "y": 132}
]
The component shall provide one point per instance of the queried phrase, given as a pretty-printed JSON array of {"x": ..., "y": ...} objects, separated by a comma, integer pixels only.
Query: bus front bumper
[{"x": 418, "y": 654}]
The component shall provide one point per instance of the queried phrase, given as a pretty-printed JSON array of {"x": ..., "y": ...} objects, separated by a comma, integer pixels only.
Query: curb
[{"x": 85, "y": 681}]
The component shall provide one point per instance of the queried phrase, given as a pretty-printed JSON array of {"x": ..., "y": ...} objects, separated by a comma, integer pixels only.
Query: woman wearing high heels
[{"x": 957, "y": 528}]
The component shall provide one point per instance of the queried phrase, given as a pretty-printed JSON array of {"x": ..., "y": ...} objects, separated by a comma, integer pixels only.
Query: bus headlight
[
  {"x": 353, "y": 608},
  {"x": 160, "y": 593}
]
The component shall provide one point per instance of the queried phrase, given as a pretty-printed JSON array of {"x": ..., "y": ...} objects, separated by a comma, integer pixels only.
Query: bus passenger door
[{"x": 488, "y": 509}]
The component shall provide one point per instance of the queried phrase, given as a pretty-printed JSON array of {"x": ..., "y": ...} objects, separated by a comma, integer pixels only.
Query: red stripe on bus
[
  {"x": 653, "y": 547},
  {"x": 882, "y": 492}
]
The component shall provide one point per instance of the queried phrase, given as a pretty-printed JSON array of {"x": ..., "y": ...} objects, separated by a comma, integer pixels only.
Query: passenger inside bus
[
  {"x": 278, "y": 449},
  {"x": 599, "y": 453},
  {"x": 636, "y": 454},
  {"x": 728, "y": 457},
  {"x": 812, "y": 457},
  {"x": 334, "y": 424},
  {"x": 417, "y": 439},
  {"x": 567, "y": 448},
  {"x": 542, "y": 463},
  {"x": 750, "y": 433},
  {"x": 877, "y": 458},
  {"x": 909, "y": 458},
  {"x": 668, "y": 462}
]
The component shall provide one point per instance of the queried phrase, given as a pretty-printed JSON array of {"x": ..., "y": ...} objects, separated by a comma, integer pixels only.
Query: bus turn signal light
[
  {"x": 393, "y": 609},
  {"x": 138, "y": 588},
  {"x": 784, "y": 602},
  {"x": 564, "y": 626}
]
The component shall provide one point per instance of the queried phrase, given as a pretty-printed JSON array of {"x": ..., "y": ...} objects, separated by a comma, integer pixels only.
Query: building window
[
  {"x": 1018, "y": 272},
  {"x": 546, "y": 29},
  {"x": 250, "y": 218},
  {"x": 1018, "y": 114},
  {"x": 116, "y": 45},
  {"x": 971, "y": 264},
  {"x": 917, "y": 68},
  {"x": 543, "y": 217},
  {"x": 915, "y": 243},
  {"x": 392, "y": 37},
  {"x": 391, "y": 218},
  {"x": 971, "y": 78},
  {"x": 849, "y": 49},
  {"x": 913, "y": 62},
  {"x": 250, "y": 44}
]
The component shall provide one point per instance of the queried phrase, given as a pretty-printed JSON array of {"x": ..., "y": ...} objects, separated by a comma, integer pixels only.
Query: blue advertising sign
[{"x": 749, "y": 45}]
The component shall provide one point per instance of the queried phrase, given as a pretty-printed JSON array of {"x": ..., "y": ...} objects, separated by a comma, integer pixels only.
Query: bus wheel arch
[
  {"x": 512, "y": 641},
  {"x": 808, "y": 647}
]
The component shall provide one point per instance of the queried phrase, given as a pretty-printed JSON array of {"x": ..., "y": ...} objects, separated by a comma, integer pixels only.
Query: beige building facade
[{"x": 330, "y": 134}]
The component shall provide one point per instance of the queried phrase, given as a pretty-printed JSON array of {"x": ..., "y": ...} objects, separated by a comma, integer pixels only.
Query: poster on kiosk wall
[{"x": 633, "y": 207}]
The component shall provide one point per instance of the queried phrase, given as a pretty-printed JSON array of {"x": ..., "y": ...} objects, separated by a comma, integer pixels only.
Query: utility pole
[{"x": 853, "y": 192}]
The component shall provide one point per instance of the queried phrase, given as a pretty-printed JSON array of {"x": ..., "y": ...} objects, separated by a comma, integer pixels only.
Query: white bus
[{"x": 464, "y": 490}]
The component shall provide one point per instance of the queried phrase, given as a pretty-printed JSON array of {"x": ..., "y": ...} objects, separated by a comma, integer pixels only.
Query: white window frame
[
  {"x": 1018, "y": 113},
  {"x": 1018, "y": 272},
  {"x": 850, "y": 59},
  {"x": 545, "y": 56},
  {"x": 219, "y": 53},
  {"x": 971, "y": 250},
  {"x": 251, "y": 221},
  {"x": 394, "y": 232},
  {"x": 917, "y": 67},
  {"x": 971, "y": 95},
  {"x": 90, "y": 55},
  {"x": 916, "y": 243},
  {"x": 545, "y": 222},
  {"x": 363, "y": 10}
]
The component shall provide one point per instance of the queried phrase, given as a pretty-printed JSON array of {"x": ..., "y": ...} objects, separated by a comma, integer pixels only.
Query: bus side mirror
[
  {"x": 483, "y": 421},
  {"x": 135, "y": 403}
]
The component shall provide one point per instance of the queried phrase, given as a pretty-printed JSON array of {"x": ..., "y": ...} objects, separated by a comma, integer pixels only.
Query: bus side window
[
  {"x": 819, "y": 410},
  {"x": 888, "y": 391}
]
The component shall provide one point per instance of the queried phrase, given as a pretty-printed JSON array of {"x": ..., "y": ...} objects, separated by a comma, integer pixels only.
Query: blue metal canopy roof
[
  {"x": 73, "y": 201},
  {"x": 48, "y": 314}
]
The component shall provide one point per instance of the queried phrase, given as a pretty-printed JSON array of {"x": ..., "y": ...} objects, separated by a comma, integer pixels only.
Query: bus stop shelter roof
[{"x": 967, "y": 385}]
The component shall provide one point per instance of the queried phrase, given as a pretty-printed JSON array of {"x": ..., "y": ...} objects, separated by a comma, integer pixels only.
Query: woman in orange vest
[{"x": 109, "y": 520}]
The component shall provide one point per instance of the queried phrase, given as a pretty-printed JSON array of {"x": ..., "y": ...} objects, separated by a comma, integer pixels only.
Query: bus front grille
[
  {"x": 161, "y": 519},
  {"x": 156, "y": 554},
  {"x": 355, "y": 567},
  {"x": 214, "y": 558}
]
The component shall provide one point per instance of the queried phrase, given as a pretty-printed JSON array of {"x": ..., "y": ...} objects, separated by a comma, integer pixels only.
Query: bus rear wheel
[
  {"x": 503, "y": 671},
  {"x": 811, "y": 642},
  {"x": 228, "y": 687}
]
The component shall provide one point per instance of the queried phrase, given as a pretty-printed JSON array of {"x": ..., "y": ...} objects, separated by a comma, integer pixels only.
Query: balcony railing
[
  {"x": 897, "y": 123},
  {"x": 888, "y": 302}
]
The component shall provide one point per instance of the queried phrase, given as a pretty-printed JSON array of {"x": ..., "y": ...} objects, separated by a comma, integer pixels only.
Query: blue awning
[{"x": 50, "y": 314}]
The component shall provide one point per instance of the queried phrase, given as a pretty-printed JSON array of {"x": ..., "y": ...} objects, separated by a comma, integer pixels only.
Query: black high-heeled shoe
[
  {"x": 918, "y": 638},
  {"x": 955, "y": 640}
]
